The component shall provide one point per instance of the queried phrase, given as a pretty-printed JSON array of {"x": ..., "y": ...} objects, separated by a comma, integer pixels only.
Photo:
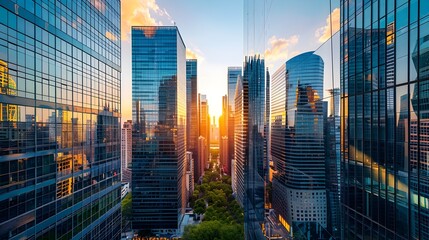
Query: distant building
[
  {"x": 223, "y": 133},
  {"x": 126, "y": 151},
  {"x": 214, "y": 133},
  {"x": 223, "y": 155},
  {"x": 232, "y": 78},
  {"x": 205, "y": 129},
  {"x": 241, "y": 137},
  {"x": 192, "y": 116},
  {"x": 159, "y": 129},
  {"x": 202, "y": 156}
]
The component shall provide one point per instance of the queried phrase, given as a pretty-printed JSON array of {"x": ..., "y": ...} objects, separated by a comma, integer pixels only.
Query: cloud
[
  {"x": 191, "y": 54},
  {"x": 324, "y": 33},
  {"x": 141, "y": 13},
  {"x": 279, "y": 48}
]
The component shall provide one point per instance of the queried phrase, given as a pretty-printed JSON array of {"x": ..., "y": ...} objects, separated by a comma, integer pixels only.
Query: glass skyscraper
[
  {"x": 255, "y": 165},
  {"x": 297, "y": 143},
  {"x": 192, "y": 121},
  {"x": 159, "y": 129},
  {"x": 233, "y": 74},
  {"x": 240, "y": 137},
  {"x": 59, "y": 119},
  {"x": 384, "y": 127}
]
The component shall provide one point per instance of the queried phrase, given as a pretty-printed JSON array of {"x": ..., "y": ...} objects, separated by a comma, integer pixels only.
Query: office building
[
  {"x": 159, "y": 129},
  {"x": 202, "y": 157},
  {"x": 297, "y": 143},
  {"x": 225, "y": 161},
  {"x": 192, "y": 121},
  {"x": 241, "y": 137},
  {"x": 223, "y": 155},
  {"x": 256, "y": 165},
  {"x": 126, "y": 151},
  {"x": 60, "y": 168},
  {"x": 214, "y": 133},
  {"x": 205, "y": 130},
  {"x": 384, "y": 89},
  {"x": 232, "y": 77}
]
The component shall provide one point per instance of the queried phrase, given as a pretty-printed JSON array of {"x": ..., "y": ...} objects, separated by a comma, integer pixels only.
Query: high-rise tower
[
  {"x": 159, "y": 128},
  {"x": 297, "y": 142}
]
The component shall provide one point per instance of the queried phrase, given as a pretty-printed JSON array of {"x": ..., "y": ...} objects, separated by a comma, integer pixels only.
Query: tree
[
  {"x": 214, "y": 230},
  {"x": 200, "y": 206},
  {"x": 126, "y": 209}
]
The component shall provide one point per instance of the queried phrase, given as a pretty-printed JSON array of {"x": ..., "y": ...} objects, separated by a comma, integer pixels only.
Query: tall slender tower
[
  {"x": 159, "y": 128},
  {"x": 192, "y": 119},
  {"x": 255, "y": 166},
  {"x": 204, "y": 133},
  {"x": 60, "y": 78},
  {"x": 232, "y": 77},
  {"x": 223, "y": 137}
]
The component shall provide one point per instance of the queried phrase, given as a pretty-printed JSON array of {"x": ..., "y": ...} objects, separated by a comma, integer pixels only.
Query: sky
[{"x": 213, "y": 33}]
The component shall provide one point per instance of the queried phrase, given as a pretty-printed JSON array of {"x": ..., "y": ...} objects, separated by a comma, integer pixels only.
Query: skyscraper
[
  {"x": 255, "y": 165},
  {"x": 126, "y": 151},
  {"x": 297, "y": 143},
  {"x": 202, "y": 157},
  {"x": 384, "y": 146},
  {"x": 59, "y": 120},
  {"x": 223, "y": 155},
  {"x": 204, "y": 125},
  {"x": 233, "y": 74},
  {"x": 223, "y": 138},
  {"x": 241, "y": 137},
  {"x": 159, "y": 128},
  {"x": 192, "y": 120}
]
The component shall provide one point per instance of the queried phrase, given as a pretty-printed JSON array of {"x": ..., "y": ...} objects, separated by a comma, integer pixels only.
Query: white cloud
[
  {"x": 324, "y": 33},
  {"x": 279, "y": 48}
]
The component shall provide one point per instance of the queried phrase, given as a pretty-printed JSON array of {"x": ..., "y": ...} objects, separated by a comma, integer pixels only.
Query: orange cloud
[
  {"x": 141, "y": 13},
  {"x": 190, "y": 54},
  {"x": 324, "y": 33},
  {"x": 279, "y": 48}
]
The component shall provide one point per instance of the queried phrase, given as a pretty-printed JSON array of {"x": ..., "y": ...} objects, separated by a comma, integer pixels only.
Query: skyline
[{"x": 205, "y": 22}]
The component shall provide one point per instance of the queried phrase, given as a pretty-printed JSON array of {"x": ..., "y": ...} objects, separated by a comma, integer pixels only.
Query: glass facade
[
  {"x": 255, "y": 165},
  {"x": 384, "y": 95},
  {"x": 297, "y": 143},
  {"x": 59, "y": 119},
  {"x": 159, "y": 128},
  {"x": 240, "y": 137},
  {"x": 233, "y": 73},
  {"x": 192, "y": 121}
]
